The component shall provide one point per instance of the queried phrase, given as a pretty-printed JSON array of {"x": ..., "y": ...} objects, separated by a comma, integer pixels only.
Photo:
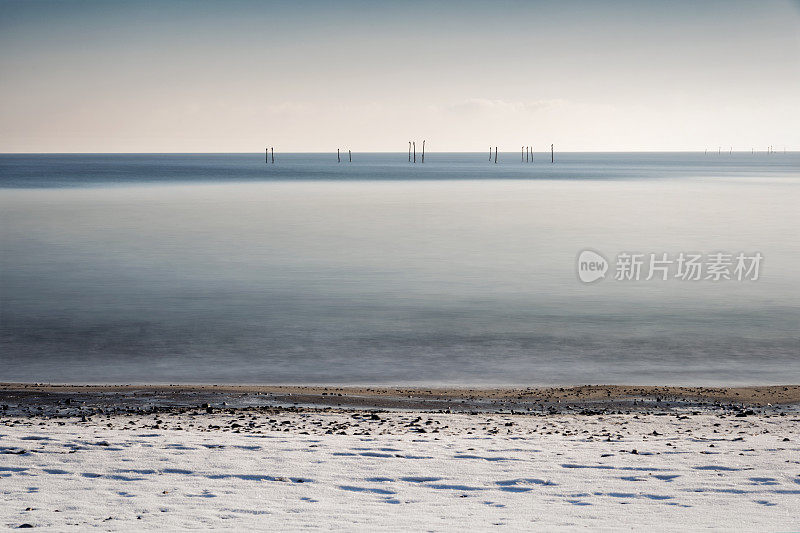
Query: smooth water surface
[{"x": 220, "y": 268}]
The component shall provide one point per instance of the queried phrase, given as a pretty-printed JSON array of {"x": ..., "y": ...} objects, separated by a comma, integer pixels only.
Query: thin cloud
[{"x": 500, "y": 107}]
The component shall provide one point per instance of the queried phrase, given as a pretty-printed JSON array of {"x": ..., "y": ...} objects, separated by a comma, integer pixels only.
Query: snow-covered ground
[{"x": 418, "y": 471}]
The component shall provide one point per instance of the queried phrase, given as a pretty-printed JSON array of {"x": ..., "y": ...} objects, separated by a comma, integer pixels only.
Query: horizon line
[{"x": 710, "y": 152}]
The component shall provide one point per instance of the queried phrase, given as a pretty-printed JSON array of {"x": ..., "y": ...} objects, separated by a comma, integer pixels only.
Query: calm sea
[{"x": 221, "y": 268}]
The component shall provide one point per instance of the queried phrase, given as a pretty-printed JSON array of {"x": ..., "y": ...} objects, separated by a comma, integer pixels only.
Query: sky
[{"x": 313, "y": 76}]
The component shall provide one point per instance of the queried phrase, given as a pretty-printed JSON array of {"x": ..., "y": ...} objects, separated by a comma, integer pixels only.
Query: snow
[{"x": 474, "y": 471}]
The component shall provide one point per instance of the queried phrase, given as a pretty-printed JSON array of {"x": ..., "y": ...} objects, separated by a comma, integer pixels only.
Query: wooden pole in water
[
  {"x": 522, "y": 155},
  {"x": 409, "y": 151},
  {"x": 349, "y": 156},
  {"x": 552, "y": 154},
  {"x": 423, "y": 150},
  {"x": 490, "y": 154},
  {"x": 415, "y": 151},
  {"x": 338, "y": 159},
  {"x": 495, "y": 155},
  {"x": 272, "y": 149},
  {"x": 266, "y": 155}
]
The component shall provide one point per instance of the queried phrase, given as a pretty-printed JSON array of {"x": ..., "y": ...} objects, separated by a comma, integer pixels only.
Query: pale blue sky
[{"x": 194, "y": 76}]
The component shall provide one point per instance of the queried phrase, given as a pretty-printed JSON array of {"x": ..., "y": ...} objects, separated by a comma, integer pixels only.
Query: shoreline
[
  {"x": 756, "y": 395},
  {"x": 52, "y": 400}
]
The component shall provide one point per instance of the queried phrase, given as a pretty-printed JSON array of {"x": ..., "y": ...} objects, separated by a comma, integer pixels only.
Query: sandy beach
[
  {"x": 129, "y": 396},
  {"x": 181, "y": 457}
]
